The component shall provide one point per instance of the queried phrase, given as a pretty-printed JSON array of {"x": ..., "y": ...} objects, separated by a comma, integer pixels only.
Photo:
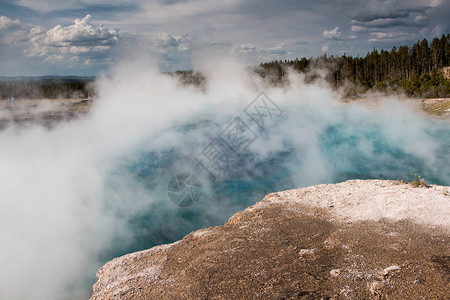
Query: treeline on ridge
[{"x": 418, "y": 71}]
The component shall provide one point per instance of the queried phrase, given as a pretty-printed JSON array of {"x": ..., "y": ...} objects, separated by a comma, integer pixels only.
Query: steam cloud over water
[{"x": 75, "y": 196}]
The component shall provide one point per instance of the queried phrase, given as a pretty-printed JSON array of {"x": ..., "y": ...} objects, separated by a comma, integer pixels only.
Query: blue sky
[{"x": 84, "y": 37}]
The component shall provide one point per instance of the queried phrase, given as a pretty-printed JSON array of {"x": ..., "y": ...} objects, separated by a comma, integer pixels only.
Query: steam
[{"x": 74, "y": 196}]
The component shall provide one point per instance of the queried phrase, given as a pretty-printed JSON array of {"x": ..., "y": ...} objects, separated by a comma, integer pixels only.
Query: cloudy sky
[{"x": 84, "y": 37}]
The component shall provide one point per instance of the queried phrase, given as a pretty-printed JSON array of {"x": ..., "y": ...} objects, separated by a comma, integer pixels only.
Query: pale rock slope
[{"x": 358, "y": 239}]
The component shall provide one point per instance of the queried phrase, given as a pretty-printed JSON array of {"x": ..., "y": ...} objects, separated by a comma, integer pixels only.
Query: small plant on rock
[{"x": 418, "y": 181}]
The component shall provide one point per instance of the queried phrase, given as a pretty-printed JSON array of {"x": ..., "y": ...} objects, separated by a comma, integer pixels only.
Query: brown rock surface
[{"x": 354, "y": 240}]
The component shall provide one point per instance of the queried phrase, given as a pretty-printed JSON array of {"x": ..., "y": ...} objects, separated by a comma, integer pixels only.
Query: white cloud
[
  {"x": 325, "y": 48},
  {"x": 379, "y": 36},
  {"x": 252, "y": 55},
  {"x": 54, "y": 58},
  {"x": 173, "y": 51},
  {"x": 357, "y": 28},
  {"x": 82, "y": 32},
  {"x": 165, "y": 40},
  {"x": 334, "y": 34},
  {"x": 420, "y": 18},
  {"x": 279, "y": 49},
  {"x": 382, "y": 35},
  {"x": 83, "y": 38},
  {"x": 12, "y": 31},
  {"x": 271, "y": 52},
  {"x": 243, "y": 49},
  {"x": 6, "y": 23}
]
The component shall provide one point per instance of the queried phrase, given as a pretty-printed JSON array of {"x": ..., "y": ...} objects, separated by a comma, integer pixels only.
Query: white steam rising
[{"x": 59, "y": 214}]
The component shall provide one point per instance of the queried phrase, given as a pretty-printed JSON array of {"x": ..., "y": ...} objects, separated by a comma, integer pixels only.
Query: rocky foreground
[{"x": 354, "y": 240}]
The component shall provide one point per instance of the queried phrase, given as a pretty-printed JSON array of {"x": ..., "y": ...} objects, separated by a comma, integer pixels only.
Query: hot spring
[{"x": 86, "y": 191}]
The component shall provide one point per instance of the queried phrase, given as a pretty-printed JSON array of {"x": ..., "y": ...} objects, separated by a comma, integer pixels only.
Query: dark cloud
[
  {"x": 388, "y": 17},
  {"x": 439, "y": 19},
  {"x": 370, "y": 15},
  {"x": 415, "y": 21}
]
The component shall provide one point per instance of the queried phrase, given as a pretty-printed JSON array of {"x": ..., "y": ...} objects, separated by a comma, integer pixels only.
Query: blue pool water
[{"x": 343, "y": 149}]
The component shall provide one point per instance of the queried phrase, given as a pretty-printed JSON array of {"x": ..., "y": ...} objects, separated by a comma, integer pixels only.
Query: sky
[{"x": 88, "y": 37}]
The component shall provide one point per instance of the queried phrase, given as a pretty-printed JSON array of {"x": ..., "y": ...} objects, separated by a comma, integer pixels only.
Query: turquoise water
[{"x": 344, "y": 149}]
